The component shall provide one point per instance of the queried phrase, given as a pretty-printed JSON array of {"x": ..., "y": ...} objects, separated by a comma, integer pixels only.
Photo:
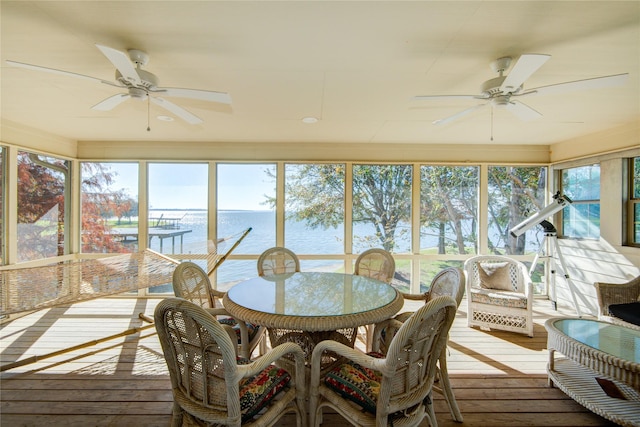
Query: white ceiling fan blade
[
  {"x": 204, "y": 95},
  {"x": 122, "y": 62},
  {"x": 523, "y": 111},
  {"x": 527, "y": 65},
  {"x": 432, "y": 97},
  {"x": 60, "y": 72},
  {"x": 177, "y": 110},
  {"x": 586, "y": 84},
  {"x": 111, "y": 102},
  {"x": 458, "y": 115}
]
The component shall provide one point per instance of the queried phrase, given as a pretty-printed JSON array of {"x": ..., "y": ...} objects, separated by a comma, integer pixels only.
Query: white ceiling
[{"x": 353, "y": 65}]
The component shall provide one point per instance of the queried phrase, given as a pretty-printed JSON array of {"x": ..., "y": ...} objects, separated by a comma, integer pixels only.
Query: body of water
[{"x": 298, "y": 237}]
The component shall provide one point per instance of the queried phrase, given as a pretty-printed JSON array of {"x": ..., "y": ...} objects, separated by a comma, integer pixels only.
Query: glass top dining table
[{"x": 313, "y": 301}]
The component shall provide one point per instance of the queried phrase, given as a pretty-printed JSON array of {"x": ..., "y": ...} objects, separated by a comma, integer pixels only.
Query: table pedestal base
[{"x": 579, "y": 383}]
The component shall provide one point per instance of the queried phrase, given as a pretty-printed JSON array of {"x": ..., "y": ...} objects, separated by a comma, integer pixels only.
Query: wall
[{"x": 607, "y": 259}]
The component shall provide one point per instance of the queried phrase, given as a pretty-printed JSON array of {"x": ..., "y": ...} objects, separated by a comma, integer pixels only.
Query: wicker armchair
[
  {"x": 617, "y": 293},
  {"x": 190, "y": 282},
  {"x": 448, "y": 282},
  {"x": 373, "y": 390},
  {"x": 210, "y": 385},
  {"x": 499, "y": 294},
  {"x": 278, "y": 260}
]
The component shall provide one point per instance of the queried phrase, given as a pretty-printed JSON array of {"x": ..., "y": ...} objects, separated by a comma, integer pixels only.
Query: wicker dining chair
[
  {"x": 377, "y": 390},
  {"x": 211, "y": 386},
  {"x": 448, "y": 282},
  {"x": 377, "y": 264},
  {"x": 190, "y": 282},
  {"x": 278, "y": 260}
]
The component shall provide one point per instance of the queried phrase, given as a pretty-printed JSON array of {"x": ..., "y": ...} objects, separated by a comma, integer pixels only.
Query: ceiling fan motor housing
[{"x": 147, "y": 80}]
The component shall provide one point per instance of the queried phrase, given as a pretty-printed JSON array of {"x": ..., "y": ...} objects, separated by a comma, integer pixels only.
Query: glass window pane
[
  {"x": 109, "y": 197},
  {"x": 582, "y": 183},
  {"x": 581, "y": 219},
  {"x": 314, "y": 208},
  {"x": 448, "y": 209},
  {"x": 382, "y": 207},
  {"x": 3, "y": 175},
  {"x": 515, "y": 194},
  {"x": 246, "y": 198},
  {"x": 42, "y": 182},
  {"x": 178, "y": 201}
]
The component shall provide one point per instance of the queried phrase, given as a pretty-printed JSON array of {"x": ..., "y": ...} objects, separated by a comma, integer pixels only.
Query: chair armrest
[
  {"x": 616, "y": 293},
  {"x": 244, "y": 331},
  {"x": 271, "y": 357},
  {"x": 416, "y": 297}
]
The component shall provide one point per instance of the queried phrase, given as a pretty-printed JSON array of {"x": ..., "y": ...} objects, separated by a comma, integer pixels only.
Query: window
[
  {"x": 448, "y": 209},
  {"x": 382, "y": 207},
  {"x": 582, "y": 218},
  {"x": 178, "y": 202},
  {"x": 448, "y": 216},
  {"x": 3, "y": 180},
  {"x": 42, "y": 198},
  {"x": 634, "y": 202},
  {"x": 246, "y": 198},
  {"x": 515, "y": 193},
  {"x": 314, "y": 211},
  {"x": 109, "y": 197}
]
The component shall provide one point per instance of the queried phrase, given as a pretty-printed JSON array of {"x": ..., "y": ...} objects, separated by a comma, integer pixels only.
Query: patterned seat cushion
[
  {"x": 251, "y": 328},
  {"x": 256, "y": 392},
  {"x": 356, "y": 383},
  {"x": 501, "y": 298}
]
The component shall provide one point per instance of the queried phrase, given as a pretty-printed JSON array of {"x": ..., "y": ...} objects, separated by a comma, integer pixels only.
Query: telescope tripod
[{"x": 550, "y": 232}]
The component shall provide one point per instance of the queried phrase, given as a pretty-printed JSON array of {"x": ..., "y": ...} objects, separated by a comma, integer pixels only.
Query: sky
[{"x": 184, "y": 186}]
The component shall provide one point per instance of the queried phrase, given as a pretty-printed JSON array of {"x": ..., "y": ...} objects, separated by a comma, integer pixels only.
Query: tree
[
  {"x": 99, "y": 203},
  {"x": 381, "y": 197},
  {"x": 514, "y": 194},
  {"x": 448, "y": 197},
  {"x": 41, "y": 206}
]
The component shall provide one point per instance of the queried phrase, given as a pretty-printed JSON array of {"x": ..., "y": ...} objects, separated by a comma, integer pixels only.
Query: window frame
[{"x": 632, "y": 203}]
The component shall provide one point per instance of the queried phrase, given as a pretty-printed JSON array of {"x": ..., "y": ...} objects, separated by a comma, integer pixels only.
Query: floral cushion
[
  {"x": 256, "y": 392},
  {"x": 355, "y": 382},
  {"x": 251, "y": 328}
]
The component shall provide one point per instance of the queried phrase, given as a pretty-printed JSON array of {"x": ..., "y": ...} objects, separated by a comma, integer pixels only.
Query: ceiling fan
[
  {"x": 502, "y": 91},
  {"x": 139, "y": 84}
]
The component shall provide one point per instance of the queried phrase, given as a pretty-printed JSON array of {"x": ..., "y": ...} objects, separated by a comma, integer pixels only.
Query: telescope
[{"x": 559, "y": 202}]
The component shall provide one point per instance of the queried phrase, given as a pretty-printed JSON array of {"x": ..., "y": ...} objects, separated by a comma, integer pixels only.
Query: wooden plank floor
[{"x": 499, "y": 378}]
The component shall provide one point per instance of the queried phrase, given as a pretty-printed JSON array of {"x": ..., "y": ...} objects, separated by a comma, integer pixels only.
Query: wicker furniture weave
[
  {"x": 449, "y": 282},
  {"x": 377, "y": 264},
  {"x": 205, "y": 376},
  {"x": 407, "y": 373},
  {"x": 616, "y": 293},
  {"x": 190, "y": 282},
  {"x": 602, "y": 350},
  {"x": 508, "y": 310},
  {"x": 277, "y": 260}
]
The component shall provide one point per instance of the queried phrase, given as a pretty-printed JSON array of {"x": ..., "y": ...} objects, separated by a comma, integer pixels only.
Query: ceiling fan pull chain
[
  {"x": 148, "y": 113},
  {"x": 492, "y": 123}
]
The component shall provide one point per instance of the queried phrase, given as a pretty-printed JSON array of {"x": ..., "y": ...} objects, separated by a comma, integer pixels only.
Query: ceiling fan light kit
[{"x": 139, "y": 84}]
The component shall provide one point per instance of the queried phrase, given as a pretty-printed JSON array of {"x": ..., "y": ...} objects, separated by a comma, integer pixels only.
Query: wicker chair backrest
[
  {"x": 192, "y": 283},
  {"x": 377, "y": 264},
  {"x": 278, "y": 260}
]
